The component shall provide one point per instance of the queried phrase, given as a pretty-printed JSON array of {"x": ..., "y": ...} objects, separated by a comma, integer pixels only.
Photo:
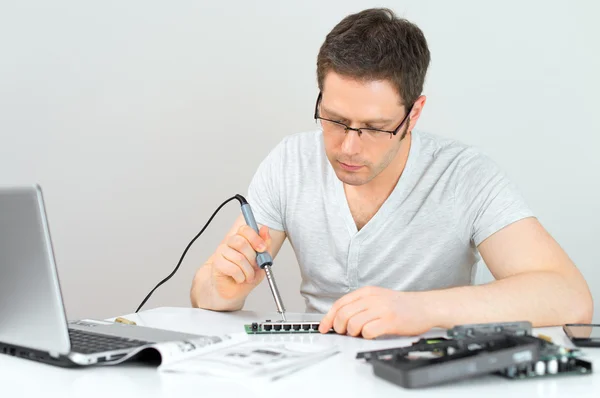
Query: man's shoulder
[
  {"x": 459, "y": 161},
  {"x": 437, "y": 145},
  {"x": 447, "y": 150}
]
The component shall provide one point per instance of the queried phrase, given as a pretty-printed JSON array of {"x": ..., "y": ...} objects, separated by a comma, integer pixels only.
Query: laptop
[{"x": 33, "y": 323}]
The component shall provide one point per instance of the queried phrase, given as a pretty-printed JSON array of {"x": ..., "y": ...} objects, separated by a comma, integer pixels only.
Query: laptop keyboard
[{"x": 89, "y": 343}]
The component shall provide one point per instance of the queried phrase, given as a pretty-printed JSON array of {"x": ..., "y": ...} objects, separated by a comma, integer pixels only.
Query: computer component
[
  {"x": 270, "y": 327},
  {"x": 430, "y": 362},
  {"x": 484, "y": 329},
  {"x": 554, "y": 359}
]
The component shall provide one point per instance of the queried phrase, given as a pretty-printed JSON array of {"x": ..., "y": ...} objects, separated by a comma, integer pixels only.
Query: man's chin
[{"x": 351, "y": 178}]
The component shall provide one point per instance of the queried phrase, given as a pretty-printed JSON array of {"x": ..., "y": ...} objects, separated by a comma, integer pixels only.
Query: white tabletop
[{"x": 338, "y": 376}]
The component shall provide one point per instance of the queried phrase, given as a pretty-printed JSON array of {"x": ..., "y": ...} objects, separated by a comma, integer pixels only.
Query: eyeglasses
[{"x": 374, "y": 135}]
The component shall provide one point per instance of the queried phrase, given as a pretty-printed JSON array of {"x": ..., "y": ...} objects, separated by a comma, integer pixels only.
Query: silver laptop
[{"x": 33, "y": 324}]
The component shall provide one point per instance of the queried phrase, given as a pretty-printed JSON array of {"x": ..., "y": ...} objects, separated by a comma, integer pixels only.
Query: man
[{"x": 388, "y": 223}]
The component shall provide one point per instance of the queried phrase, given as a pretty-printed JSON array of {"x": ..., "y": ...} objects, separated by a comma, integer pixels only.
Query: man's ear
[{"x": 415, "y": 113}]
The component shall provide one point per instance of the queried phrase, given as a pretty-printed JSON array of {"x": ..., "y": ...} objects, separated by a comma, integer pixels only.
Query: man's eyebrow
[{"x": 369, "y": 121}]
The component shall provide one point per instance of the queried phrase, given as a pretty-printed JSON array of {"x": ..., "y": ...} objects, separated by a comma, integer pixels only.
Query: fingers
[
  {"x": 236, "y": 266},
  {"x": 237, "y": 256},
  {"x": 357, "y": 323},
  {"x": 241, "y": 245},
  {"x": 374, "y": 329},
  {"x": 327, "y": 321},
  {"x": 346, "y": 313},
  {"x": 266, "y": 236},
  {"x": 255, "y": 240}
]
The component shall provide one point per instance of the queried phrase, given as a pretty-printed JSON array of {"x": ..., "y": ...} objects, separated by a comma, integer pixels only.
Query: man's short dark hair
[{"x": 375, "y": 44}]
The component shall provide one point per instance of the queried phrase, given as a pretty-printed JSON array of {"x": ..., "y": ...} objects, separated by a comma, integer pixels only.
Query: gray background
[{"x": 140, "y": 117}]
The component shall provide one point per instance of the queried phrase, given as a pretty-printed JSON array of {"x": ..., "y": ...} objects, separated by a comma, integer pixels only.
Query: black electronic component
[
  {"x": 476, "y": 349},
  {"x": 428, "y": 363},
  {"x": 484, "y": 329},
  {"x": 434, "y": 345},
  {"x": 554, "y": 359}
]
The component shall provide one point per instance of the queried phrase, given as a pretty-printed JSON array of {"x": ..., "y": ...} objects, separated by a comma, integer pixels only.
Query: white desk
[{"x": 338, "y": 376}]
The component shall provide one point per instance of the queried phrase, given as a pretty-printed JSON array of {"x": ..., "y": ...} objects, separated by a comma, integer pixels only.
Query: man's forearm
[
  {"x": 204, "y": 295},
  {"x": 544, "y": 298}
]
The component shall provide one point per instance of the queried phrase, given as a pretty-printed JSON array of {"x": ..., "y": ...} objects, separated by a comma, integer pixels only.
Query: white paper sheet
[{"x": 252, "y": 360}]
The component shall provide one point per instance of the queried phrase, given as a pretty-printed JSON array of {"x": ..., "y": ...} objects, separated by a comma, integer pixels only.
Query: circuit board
[
  {"x": 473, "y": 346},
  {"x": 553, "y": 359}
]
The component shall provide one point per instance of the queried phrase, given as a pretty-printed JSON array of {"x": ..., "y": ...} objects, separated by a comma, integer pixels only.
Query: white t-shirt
[{"x": 449, "y": 199}]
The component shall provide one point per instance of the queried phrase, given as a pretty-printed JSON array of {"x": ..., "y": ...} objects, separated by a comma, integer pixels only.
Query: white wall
[{"x": 139, "y": 118}]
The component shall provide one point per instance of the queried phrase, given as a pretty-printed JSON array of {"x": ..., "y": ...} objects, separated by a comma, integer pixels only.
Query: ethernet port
[
  {"x": 267, "y": 327},
  {"x": 306, "y": 327},
  {"x": 296, "y": 327},
  {"x": 287, "y": 327},
  {"x": 277, "y": 327},
  {"x": 315, "y": 326}
]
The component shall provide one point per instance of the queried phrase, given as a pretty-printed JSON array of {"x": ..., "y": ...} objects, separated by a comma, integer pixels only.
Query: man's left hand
[{"x": 374, "y": 311}]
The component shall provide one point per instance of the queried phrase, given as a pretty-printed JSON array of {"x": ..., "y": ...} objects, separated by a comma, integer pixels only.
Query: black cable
[{"x": 242, "y": 201}]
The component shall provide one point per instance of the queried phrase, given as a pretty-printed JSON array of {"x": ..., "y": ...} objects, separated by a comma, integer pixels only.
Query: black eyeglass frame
[{"x": 360, "y": 129}]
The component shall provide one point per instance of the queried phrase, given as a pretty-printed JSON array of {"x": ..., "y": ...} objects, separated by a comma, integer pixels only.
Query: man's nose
[{"x": 352, "y": 143}]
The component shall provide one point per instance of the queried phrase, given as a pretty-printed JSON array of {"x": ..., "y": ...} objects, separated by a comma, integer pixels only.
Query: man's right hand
[
  {"x": 231, "y": 272},
  {"x": 234, "y": 271}
]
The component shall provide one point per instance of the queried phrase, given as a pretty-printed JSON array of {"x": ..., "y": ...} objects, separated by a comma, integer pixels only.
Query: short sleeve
[
  {"x": 264, "y": 192},
  {"x": 485, "y": 199}
]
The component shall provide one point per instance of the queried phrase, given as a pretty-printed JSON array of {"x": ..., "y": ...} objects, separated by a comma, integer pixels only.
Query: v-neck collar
[{"x": 389, "y": 205}]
